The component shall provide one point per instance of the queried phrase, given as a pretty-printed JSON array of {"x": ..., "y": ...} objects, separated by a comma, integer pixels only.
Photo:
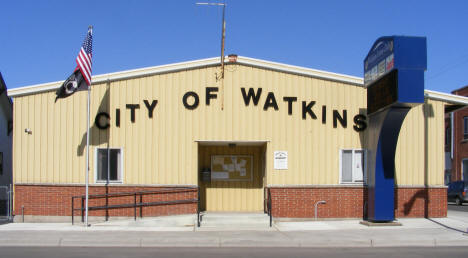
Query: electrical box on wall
[{"x": 205, "y": 175}]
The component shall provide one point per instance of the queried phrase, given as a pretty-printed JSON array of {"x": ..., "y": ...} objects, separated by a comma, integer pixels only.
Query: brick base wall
[
  {"x": 348, "y": 202},
  {"x": 55, "y": 200},
  {"x": 421, "y": 202},
  {"x": 341, "y": 202}
]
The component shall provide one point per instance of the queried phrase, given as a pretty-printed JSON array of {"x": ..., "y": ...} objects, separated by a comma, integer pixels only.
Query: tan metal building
[{"x": 297, "y": 131}]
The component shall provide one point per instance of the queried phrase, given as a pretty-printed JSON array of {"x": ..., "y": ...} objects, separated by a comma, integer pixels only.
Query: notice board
[{"x": 231, "y": 168}]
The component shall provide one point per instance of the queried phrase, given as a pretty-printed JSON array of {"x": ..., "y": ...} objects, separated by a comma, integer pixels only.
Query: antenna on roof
[{"x": 223, "y": 35}]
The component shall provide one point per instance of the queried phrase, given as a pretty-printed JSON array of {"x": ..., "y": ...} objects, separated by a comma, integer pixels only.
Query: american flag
[
  {"x": 80, "y": 79},
  {"x": 83, "y": 60}
]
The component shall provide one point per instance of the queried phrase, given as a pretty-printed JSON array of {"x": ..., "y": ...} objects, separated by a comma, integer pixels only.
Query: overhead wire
[{"x": 448, "y": 67}]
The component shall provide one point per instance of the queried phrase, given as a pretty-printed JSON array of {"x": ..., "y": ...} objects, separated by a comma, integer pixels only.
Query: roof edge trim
[
  {"x": 446, "y": 97},
  {"x": 358, "y": 81},
  {"x": 32, "y": 89}
]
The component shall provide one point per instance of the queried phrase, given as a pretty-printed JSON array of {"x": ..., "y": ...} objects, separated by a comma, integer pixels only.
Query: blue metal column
[
  {"x": 394, "y": 78},
  {"x": 383, "y": 140}
]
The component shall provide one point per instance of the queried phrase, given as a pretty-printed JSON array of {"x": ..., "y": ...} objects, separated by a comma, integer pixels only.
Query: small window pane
[
  {"x": 108, "y": 168},
  {"x": 114, "y": 164},
  {"x": 346, "y": 166},
  {"x": 102, "y": 165},
  {"x": 358, "y": 169}
]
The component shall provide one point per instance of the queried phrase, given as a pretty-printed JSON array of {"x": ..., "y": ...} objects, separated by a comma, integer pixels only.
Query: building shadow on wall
[
  {"x": 428, "y": 113},
  {"x": 408, "y": 206},
  {"x": 364, "y": 145},
  {"x": 96, "y": 135},
  {"x": 423, "y": 194}
]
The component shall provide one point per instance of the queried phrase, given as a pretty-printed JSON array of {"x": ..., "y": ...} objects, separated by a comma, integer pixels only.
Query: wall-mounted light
[{"x": 28, "y": 130}]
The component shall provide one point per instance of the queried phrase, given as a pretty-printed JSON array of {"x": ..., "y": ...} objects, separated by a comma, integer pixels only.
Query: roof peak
[
  {"x": 152, "y": 70},
  {"x": 146, "y": 71}
]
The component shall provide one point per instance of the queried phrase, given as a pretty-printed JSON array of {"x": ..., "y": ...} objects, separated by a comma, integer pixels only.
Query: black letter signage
[
  {"x": 117, "y": 117},
  {"x": 191, "y": 101},
  {"x": 150, "y": 107},
  {"x": 251, "y": 95},
  {"x": 360, "y": 123},
  {"x": 270, "y": 102},
  {"x": 132, "y": 108},
  {"x": 307, "y": 109},
  {"x": 290, "y": 100},
  {"x": 337, "y": 117},
  {"x": 209, "y": 95},
  {"x": 195, "y": 97},
  {"x": 98, "y": 121}
]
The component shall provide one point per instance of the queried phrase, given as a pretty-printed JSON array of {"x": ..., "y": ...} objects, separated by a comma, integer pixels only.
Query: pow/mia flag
[
  {"x": 74, "y": 83},
  {"x": 81, "y": 77}
]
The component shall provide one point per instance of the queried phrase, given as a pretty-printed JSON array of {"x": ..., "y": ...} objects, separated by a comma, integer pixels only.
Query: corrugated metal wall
[
  {"x": 162, "y": 149},
  {"x": 410, "y": 161}
]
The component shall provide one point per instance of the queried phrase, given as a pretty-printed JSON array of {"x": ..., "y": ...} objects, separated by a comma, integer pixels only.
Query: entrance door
[{"x": 236, "y": 178}]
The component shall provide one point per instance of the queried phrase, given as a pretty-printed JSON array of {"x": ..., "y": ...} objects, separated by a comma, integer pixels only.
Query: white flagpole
[
  {"x": 87, "y": 148},
  {"x": 87, "y": 159}
]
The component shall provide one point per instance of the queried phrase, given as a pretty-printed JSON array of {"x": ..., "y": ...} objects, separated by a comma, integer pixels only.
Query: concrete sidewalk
[{"x": 450, "y": 231}]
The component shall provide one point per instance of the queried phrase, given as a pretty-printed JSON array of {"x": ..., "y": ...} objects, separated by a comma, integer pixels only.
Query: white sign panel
[
  {"x": 231, "y": 168},
  {"x": 281, "y": 160},
  {"x": 220, "y": 175}
]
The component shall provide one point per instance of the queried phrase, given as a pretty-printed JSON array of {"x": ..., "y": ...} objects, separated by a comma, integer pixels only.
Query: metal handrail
[
  {"x": 136, "y": 204},
  {"x": 121, "y": 194}
]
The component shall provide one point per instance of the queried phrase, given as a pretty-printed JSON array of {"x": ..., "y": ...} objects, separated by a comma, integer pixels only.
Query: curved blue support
[
  {"x": 394, "y": 76},
  {"x": 383, "y": 139}
]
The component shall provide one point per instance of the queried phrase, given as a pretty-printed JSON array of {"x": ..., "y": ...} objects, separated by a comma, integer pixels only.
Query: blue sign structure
[{"x": 394, "y": 77}]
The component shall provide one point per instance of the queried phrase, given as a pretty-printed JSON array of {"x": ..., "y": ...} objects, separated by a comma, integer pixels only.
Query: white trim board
[
  {"x": 50, "y": 86},
  {"x": 109, "y": 77}
]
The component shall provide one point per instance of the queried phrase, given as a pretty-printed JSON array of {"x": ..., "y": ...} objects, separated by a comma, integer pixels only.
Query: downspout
[
  {"x": 451, "y": 136},
  {"x": 452, "y": 130},
  {"x": 426, "y": 112}
]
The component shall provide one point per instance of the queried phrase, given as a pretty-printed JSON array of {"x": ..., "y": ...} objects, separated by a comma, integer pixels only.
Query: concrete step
[{"x": 235, "y": 220}]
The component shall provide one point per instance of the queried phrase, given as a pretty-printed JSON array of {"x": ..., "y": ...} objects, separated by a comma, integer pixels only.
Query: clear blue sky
[{"x": 40, "y": 39}]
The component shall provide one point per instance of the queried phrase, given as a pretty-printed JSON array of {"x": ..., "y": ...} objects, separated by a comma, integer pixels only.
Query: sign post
[{"x": 394, "y": 78}]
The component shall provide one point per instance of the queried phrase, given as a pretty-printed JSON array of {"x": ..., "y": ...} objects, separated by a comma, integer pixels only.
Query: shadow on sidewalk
[{"x": 445, "y": 226}]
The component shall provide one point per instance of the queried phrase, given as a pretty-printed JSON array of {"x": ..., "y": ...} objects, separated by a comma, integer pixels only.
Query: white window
[
  {"x": 353, "y": 167},
  {"x": 109, "y": 165}
]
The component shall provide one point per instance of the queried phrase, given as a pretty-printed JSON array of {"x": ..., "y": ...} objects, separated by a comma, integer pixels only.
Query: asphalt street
[
  {"x": 453, "y": 207},
  {"x": 116, "y": 252}
]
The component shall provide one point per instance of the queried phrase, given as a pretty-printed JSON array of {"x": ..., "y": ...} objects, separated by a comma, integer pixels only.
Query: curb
[{"x": 219, "y": 242}]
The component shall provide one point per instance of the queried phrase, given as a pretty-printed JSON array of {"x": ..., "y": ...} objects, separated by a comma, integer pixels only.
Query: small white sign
[{"x": 281, "y": 160}]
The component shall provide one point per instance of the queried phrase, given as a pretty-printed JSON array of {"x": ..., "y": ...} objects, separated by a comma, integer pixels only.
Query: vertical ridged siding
[
  {"x": 415, "y": 143},
  {"x": 163, "y": 150}
]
